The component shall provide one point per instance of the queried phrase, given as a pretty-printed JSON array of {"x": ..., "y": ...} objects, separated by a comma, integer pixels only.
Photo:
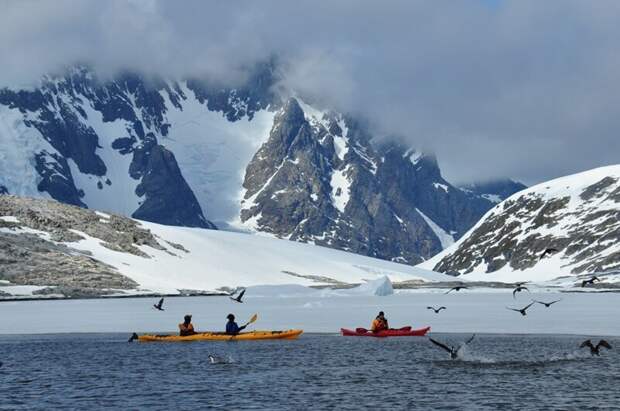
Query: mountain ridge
[
  {"x": 577, "y": 215},
  {"x": 187, "y": 153}
]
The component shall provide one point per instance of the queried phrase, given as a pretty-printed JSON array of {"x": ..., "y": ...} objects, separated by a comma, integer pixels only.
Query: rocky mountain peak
[{"x": 576, "y": 217}]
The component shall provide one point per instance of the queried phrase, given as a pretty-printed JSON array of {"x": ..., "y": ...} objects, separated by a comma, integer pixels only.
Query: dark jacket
[{"x": 232, "y": 328}]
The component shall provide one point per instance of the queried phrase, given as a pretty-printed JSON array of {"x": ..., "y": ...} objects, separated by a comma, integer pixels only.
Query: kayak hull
[
  {"x": 420, "y": 332},
  {"x": 216, "y": 336}
]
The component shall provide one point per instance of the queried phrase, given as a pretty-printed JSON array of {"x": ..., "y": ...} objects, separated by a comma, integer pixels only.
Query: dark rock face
[
  {"x": 56, "y": 178},
  {"x": 168, "y": 198},
  {"x": 321, "y": 180},
  {"x": 495, "y": 190},
  {"x": 65, "y": 111},
  {"x": 583, "y": 225},
  {"x": 3, "y": 190}
]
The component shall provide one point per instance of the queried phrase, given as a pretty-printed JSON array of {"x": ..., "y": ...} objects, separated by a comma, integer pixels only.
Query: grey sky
[{"x": 526, "y": 88}]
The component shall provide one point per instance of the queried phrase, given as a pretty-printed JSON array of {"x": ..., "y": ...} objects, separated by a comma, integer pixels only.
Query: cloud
[{"x": 525, "y": 89}]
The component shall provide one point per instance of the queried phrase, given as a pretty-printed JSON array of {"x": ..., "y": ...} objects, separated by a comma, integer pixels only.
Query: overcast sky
[{"x": 524, "y": 89}]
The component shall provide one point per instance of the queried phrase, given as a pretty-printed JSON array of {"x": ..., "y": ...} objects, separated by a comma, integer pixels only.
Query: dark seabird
[
  {"x": 519, "y": 289},
  {"x": 239, "y": 297},
  {"x": 457, "y": 288},
  {"x": 454, "y": 351},
  {"x": 522, "y": 310},
  {"x": 548, "y": 251},
  {"x": 548, "y": 304},
  {"x": 590, "y": 281},
  {"x": 159, "y": 305},
  {"x": 595, "y": 349}
]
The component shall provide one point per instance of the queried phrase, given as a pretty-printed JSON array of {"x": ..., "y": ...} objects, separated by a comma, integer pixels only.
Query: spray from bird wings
[{"x": 455, "y": 352}]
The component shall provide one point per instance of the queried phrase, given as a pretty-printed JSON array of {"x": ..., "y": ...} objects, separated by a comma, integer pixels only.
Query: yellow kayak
[{"x": 217, "y": 336}]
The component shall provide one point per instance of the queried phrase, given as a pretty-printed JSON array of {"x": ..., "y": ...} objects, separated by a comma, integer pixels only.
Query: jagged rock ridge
[
  {"x": 320, "y": 178},
  {"x": 578, "y": 215},
  {"x": 173, "y": 152}
]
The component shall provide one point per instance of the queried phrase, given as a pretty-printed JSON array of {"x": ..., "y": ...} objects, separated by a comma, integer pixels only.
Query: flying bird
[
  {"x": 548, "y": 304},
  {"x": 518, "y": 290},
  {"x": 522, "y": 310},
  {"x": 159, "y": 305},
  {"x": 454, "y": 351},
  {"x": 595, "y": 349},
  {"x": 457, "y": 288},
  {"x": 239, "y": 297},
  {"x": 548, "y": 251},
  {"x": 590, "y": 281},
  {"x": 436, "y": 309}
]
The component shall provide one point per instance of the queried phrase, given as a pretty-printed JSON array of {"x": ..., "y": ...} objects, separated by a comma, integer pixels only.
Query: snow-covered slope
[
  {"x": 225, "y": 259},
  {"x": 577, "y": 215},
  {"x": 81, "y": 252}
]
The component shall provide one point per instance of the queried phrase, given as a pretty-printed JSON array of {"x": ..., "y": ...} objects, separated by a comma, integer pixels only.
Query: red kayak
[{"x": 392, "y": 332}]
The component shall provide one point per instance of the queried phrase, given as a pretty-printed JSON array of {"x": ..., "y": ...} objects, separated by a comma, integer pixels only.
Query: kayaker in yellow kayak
[
  {"x": 231, "y": 326},
  {"x": 186, "y": 327},
  {"x": 380, "y": 323}
]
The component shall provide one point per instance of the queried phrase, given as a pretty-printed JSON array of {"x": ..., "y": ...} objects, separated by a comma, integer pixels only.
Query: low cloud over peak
[{"x": 526, "y": 89}]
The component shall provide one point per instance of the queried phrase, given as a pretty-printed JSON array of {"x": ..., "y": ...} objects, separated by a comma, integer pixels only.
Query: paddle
[{"x": 253, "y": 319}]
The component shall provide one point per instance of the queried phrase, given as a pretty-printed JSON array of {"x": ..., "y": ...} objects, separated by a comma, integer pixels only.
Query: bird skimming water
[
  {"x": 595, "y": 349},
  {"x": 454, "y": 351}
]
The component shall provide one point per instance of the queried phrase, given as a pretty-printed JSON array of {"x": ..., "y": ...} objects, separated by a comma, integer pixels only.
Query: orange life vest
[
  {"x": 378, "y": 325},
  {"x": 186, "y": 329}
]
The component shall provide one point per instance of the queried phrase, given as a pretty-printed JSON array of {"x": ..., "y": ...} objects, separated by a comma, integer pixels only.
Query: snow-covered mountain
[
  {"x": 192, "y": 153},
  {"x": 577, "y": 218},
  {"x": 495, "y": 190},
  {"x": 58, "y": 249},
  {"x": 320, "y": 179}
]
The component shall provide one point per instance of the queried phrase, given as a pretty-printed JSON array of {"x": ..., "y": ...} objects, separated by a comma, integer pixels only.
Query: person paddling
[
  {"x": 380, "y": 323},
  {"x": 232, "y": 328},
  {"x": 186, "y": 327}
]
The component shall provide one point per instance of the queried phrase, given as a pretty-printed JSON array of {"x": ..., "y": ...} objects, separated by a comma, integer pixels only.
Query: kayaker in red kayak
[{"x": 380, "y": 323}]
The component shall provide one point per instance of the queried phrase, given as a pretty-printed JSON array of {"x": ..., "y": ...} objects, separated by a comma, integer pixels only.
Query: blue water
[{"x": 103, "y": 371}]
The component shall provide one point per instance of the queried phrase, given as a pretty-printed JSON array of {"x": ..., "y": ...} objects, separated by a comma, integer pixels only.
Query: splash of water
[{"x": 463, "y": 354}]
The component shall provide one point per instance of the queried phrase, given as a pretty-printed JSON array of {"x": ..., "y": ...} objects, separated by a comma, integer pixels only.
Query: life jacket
[
  {"x": 378, "y": 325},
  {"x": 186, "y": 329}
]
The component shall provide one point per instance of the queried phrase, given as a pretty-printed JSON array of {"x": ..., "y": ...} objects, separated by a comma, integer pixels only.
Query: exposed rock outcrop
[
  {"x": 320, "y": 179},
  {"x": 577, "y": 218}
]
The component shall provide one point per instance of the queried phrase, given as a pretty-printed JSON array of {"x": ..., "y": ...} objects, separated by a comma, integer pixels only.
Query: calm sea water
[{"x": 103, "y": 371}]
